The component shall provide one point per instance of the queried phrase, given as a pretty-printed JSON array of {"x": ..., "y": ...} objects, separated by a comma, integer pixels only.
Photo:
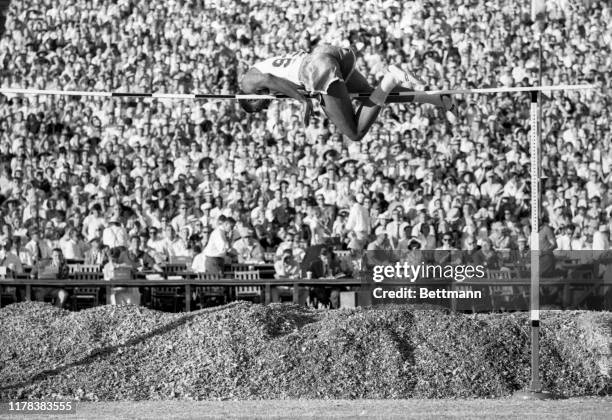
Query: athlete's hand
[{"x": 307, "y": 111}]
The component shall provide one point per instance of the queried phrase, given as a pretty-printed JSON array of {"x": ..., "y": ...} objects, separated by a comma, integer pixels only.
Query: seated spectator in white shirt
[
  {"x": 287, "y": 266},
  {"x": 37, "y": 248},
  {"x": 198, "y": 264},
  {"x": 564, "y": 240},
  {"x": 601, "y": 238},
  {"x": 93, "y": 222},
  {"x": 158, "y": 246},
  {"x": 95, "y": 254},
  {"x": 71, "y": 245},
  {"x": 9, "y": 259},
  {"x": 338, "y": 228},
  {"x": 180, "y": 244},
  {"x": 288, "y": 241},
  {"x": 248, "y": 249},
  {"x": 179, "y": 221},
  {"x": 299, "y": 251},
  {"x": 491, "y": 187},
  {"x": 115, "y": 235},
  {"x": 396, "y": 226}
]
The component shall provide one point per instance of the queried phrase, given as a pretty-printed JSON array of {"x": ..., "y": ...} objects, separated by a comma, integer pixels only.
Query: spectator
[
  {"x": 247, "y": 248},
  {"x": 136, "y": 257},
  {"x": 358, "y": 223},
  {"x": 325, "y": 266},
  {"x": 181, "y": 246},
  {"x": 95, "y": 255},
  {"x": 601, "y": 239},
  {"x": 72, "y": 246},
  {"x": 59, "y": 268},
  {"x": 395, "y": 227},
  {"x": 36, "y": 249},
  {"x": 115, "y": 235},
  {"x": 486, "y": 256},
  {"x": 119, "y": 295},
  {"x": 218, "y": 247},
  {"x": 159, "y": 246},
  {"x": 287, "y": 266},
  {"x": 64, "y": 157},
  {"x": 9, "y": 259},
  {"x": 548, "y": 243},
  {"x": 198, "y": 264},
  {"x": 93, "y": 222}
]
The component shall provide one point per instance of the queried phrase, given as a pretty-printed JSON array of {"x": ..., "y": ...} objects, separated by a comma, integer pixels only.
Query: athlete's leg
[
  {"x": 357, "y": 83},
  {"x": 338, "y": 106},
  {"x": 339, "y": 109}
]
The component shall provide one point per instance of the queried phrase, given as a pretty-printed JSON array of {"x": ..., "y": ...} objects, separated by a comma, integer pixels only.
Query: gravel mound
[{"x": 247, "y": 351}]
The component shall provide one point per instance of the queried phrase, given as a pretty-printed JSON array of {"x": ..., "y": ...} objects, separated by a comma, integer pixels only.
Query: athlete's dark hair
[{"x": 254, "y": 105}]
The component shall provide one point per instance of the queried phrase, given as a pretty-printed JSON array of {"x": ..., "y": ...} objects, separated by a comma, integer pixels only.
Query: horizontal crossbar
[{"x": 192, "y": 96}]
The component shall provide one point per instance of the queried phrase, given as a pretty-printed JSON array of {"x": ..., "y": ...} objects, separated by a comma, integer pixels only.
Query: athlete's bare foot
[{"x": 405, "y": 78}]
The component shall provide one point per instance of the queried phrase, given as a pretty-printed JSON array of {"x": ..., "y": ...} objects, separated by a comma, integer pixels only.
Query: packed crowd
[{"x": 161, "y": 178}]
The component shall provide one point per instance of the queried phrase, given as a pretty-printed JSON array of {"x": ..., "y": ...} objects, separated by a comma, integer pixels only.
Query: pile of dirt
[{"x": 246, "y": 351}]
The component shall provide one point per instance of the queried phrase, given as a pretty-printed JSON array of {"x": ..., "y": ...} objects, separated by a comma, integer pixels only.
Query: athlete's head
[
  {"x": 248, "y": 85},
  {"x": 254, "y": 105}
]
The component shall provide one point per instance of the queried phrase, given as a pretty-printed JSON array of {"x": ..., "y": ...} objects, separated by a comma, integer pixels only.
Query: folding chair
[
  {"x": 206, "y": 294},
  {"x": 503, "y": 297},
  {"x": 7, "y": 292},
  {"x": 86, "y": 296},
  {"x": 165, "y": 297},
  {"x": 583, "y": 284},
  {"x": 171, "y": 271},
  {"x": 248, "y": 291},
  {"x": 239, "y": 267}
]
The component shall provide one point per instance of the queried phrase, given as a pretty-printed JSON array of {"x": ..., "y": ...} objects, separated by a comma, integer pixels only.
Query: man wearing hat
[
  {"x": 115, "y": 235},
  {"x": 339, "y": 225},
  {"x": 249, "y": 250},
  {"x": 380, "y": 242}
]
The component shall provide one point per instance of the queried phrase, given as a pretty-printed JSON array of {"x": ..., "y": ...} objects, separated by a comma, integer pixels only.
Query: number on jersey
[
  {"x": 282, "y": 62},
  {"x": 286, "y": 61}
]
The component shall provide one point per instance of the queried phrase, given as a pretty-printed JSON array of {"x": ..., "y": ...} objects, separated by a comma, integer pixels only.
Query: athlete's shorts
[{"x": 325, "y": 65}]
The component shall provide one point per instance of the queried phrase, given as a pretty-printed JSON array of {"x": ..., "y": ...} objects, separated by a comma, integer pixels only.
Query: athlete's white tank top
[{"x": 286, "y": 66}]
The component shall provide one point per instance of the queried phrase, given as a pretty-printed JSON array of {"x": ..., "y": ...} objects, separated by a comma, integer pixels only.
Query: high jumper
[{"x": 330, "y": 73}]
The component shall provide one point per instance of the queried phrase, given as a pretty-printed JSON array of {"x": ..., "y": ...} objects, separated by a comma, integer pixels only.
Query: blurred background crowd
[{"x": 158, "y": 177}]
